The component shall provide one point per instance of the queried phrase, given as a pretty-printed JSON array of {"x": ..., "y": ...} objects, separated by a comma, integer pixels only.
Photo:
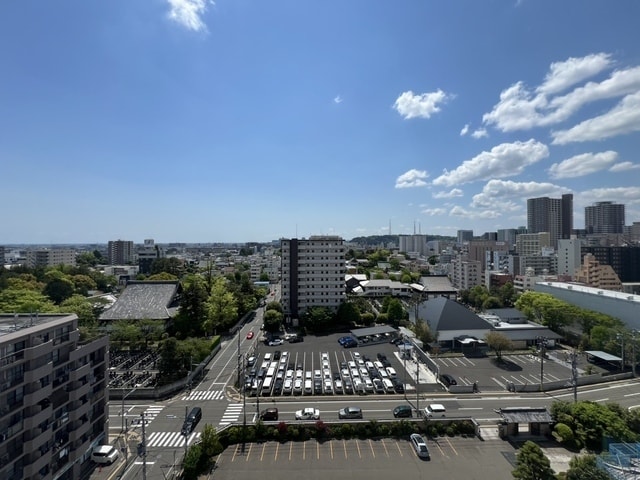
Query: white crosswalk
[
  {"x": 204, "y": 395},
  {"x": 149, "y": 414},
  {"x": 231, "y": 414},
  {"x": 170, "y": 439}
]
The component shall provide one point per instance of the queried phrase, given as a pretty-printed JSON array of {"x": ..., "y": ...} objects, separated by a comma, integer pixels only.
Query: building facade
[
  {"x": 553, "y": 215},
  {"x": 120, "y": 252},
  {"x": 416, "y": 243},
  {"x": 569, "y": 256},
  {"x": 594, "y": 275},
  {"x": 53, "y": 397},
  {"x": 625, "y": 261},
  {"x": 604, "y": 217},
  {"x": 313, "y": 274},
  {"x": 147, "y": 253},
  {"x": 45, "y": 257}
]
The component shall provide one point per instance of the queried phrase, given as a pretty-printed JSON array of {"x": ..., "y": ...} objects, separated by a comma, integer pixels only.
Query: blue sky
[{"x": 251, "y": 120}]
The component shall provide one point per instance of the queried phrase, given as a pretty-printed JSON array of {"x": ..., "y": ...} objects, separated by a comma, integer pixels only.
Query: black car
[
  {"x": 296, "y": 339},
  {"x": 448, "y": 380},
  {"x": 403, "y": 411},
  {"x": 381, "y": 356},
  {"x": 317, "y": 386},
  {"x": 398, "y": 385},
  {"x": 269, "y": 414},
  {"x": 276, "y": 355}
]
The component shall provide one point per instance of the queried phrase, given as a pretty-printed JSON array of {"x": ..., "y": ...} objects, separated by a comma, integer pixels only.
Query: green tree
[
  {"x": 172, "y": 265},
  {"x": 273, "y": 321},
  {"x": 532, "y": 464},
  {"x": 25, "y": 301},
  {"x": 83, "y": 308},
  {"x": 222, "y": 310},
  {"x": 210, "y": 441},
  {"x": 59, "y": 289},
  {"x": 125, "y": 333},
  {"x": 150, "y": 330},
  {"x": 191, "y": 466},
  {"x": 585, "y": 467},
  {"x": 317, "y": 319},
  {"x": 423, "y": 332},
  {"x": 193, "y": 307},
  {"x": 83, "y": 284},
  {"x": 274, "y": 306},
  {"x": 348, "y": 314},
  {"x": 168, "y": 367},
  {"x": 498, "y": 342},
  {"x": 395, "y": 311}
]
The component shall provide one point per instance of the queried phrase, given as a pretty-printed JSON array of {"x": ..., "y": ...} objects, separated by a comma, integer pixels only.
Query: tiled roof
[{"x": 144, "y": 300}]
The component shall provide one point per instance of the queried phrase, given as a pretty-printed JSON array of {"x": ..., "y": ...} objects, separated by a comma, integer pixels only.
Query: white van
[
  {"x": 391, "y": 371},
  {"x": 435, "y": 410},
  {"x": 388, "y": 385},
  {"x": 308, "y": 386},
  {"x": 266, "y": 385},
  {"x": 105, "y": 454}
]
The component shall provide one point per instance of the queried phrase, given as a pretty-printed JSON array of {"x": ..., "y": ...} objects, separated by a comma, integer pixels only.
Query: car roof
[{"x": 103, "y": 449}]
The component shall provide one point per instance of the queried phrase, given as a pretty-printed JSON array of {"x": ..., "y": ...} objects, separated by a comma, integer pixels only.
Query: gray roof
[
  {"x": 363, "y": 332},
  {"x": 526, "y": 415},
  {"x": 437, "y": 283},
  {"x": 443, "y": 314},
  {"x": 506, "y": 314},
  {"x": 607, "y": 357},
  {"x": 144, "y": 300},
  {"x": 528, "y": 333}
]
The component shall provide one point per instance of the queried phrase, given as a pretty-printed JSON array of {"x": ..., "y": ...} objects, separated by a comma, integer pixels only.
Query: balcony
[
  {"x": 77, "y": 434},
  {"x": 80, "y": 410},
  {"x": 33, "y": 468},
  {"x": 38, "y": 395},
  {"x": 37, "y": 351},
  {"x": 80, "y": 372},
  {"x": 79, "y": 391},
  {"x": 35, "y": 420},
  {"x": 37, "y": 373}
]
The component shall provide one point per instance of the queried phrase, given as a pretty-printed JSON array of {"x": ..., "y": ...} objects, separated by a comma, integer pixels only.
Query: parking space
[{"x": 454, "y": 457}]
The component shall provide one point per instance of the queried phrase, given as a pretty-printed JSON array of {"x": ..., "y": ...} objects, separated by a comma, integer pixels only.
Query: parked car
[
  {"x": 105, "y": 454},
  {"x": 251, "y": 361},
  {"x": 403, "y": 411},
  {"x": 276, "y": 342},
  {"x": 419, "y": 445},
  {"x": 296, "y": 339},
  {"x": 308, "y": 413},
  {"x": 398, "y": 385},
  {"x": 269, "y": 414},
  {"x": 350, "y": 412},
  {"x": 447, "y": 379}
]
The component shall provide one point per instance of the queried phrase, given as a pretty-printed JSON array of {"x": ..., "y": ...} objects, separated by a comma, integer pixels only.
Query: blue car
[
  {"x": 350, "y": 343},
  {"x": 343, "y": 340}
]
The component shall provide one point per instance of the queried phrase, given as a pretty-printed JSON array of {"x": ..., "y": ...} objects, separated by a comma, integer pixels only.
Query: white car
[
  {"x": 308, "y": 413},
  {"x": 352, "y": 364},
  {"x": 105, "y": 454},
  {"x": 435, "y": 410},
  {"x": 288, "y": 386},
  {"x": 419, "y": 445},
  {"x": 276, "y": 342},
  {"x": 356, "y": 355},
  {"x": 368, "y": 385},
  {"x": 337, "y": 386},
  {"x": 297, "y": 386},
  {"x": 328, "y": 387}
]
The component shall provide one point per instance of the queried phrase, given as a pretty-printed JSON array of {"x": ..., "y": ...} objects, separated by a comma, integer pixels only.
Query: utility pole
[
  {"x": 143, "y": 450},
  {"x": 244, "y": 413},
  {"x": 620, "y": 337},
  {"x": 186, "y": 435},
  {"x": 418, "y": 387},
  {"x": 574, "y": 375},
  {"x": 633, "y": 352},
  {"x": 542, "y": 343}
]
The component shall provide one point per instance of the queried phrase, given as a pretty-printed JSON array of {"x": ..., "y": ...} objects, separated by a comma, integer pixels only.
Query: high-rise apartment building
[
  {"x": 313, "y": 273},
  {"x": 50, "y": 257},
  {"x": 147, "y": 254},
  {"x": 604, "y": 217},
  {"x": 120, "y": 252},
  {"x": 553, "y": 215},
  {"x": 416, "y": 243},
  {"x": 53, "y": 397},
  {"x": 508, "y": 236},
  {"x": 569, "y": 256},
  {"x": 464, "y": 236}
]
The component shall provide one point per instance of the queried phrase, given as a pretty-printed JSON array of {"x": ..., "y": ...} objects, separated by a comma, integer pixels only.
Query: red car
[{"x": 250, "y": 335}]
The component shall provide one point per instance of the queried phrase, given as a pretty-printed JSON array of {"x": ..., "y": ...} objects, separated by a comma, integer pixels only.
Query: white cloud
[
  {"x": 337, "y": 99},
  {"x": 504, "y": 160},
  {"x": 623, "y": 118},
  {"x": 410, "y": 105},
  {"x": 412, "y": 178},
  {"x": 583, "y": 164},
  {"x": 521, "y": 108},
  {"x": 188, "y": 13},
  {"x": 434, "y": 211},
  {"x": 508, "y": 195},
  {"x": 455, "y": 192},
  {"x": 627, "y": 195},
  {"x": 563, "y": 75},
  {"x": 458, "y": 211},
  {"x": 464, "y": 130},
  {"x": 480, "y": 133},
  {"x": 624, "y": 166}
]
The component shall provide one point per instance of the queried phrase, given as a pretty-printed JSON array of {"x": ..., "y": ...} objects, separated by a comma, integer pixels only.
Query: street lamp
[
  {"x": 620, "y": 338},
  {"x": 542, "y": 343}
]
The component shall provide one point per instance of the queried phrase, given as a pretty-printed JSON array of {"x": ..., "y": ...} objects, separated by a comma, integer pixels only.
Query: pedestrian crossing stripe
[
  {"x": 170, "y": 439},
  {"x": 204, "y": 395},
  {"x": 149, "y": 414},
  {"x": 231, "y": 414}
]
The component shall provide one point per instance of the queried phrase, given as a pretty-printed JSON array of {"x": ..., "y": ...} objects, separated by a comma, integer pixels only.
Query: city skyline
[{"x": 197, "y": 122}]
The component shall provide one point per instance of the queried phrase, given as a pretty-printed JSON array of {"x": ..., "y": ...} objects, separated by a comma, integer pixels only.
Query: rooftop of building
[
  {"x": 622, "y": 296},
  {"x": 14, "y": 322}
]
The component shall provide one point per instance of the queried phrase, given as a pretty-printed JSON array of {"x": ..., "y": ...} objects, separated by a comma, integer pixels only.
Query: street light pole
[{"x": 542, "y": 343}]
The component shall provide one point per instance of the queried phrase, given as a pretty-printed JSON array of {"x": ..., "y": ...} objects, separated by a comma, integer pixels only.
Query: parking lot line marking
[
  {"x": 290, "y": 450},
  {"x": 249, "y": 452},
  {"x": 385, "y": 447},
  {"x": 344, "y": 444},
  {"x": 435, "y": 440},
  {"x": 358, "y": 447},
  {"x": 399, "y": 449},
  {"x": 372, "y": 450},
  {"x": 304, "y": 450},
  {"x": 318, "y": 450},
  {"x": 331, "y": 449},
  {"x": 451, "y": 445},
  {"x": 264, "y": 446},
  {"x": 275, "y": 457},
  {"x": 498, "y": 382}
]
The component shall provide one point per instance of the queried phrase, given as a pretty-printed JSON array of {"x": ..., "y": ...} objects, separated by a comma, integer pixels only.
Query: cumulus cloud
[
  {"x": 412, "y": 178},
  {"x": 623, "y": 118},
  {"x": 432, "y": 212},
  {"x": 508, "y": 195},
  {"x": 583, "y": 164},
  {"x": 337, "y": 99},
  {"x": 455, "y": 192},
  {"x": 464, "y": 130},
  {"x": 458, "y": 211},
  {"x": 480, "y": 133},
  {"x": 188, "y": 13},
  {"x": 504, "y": 160},
  {"x": 410, "y": 105},
  {"x": 522, "y": 108},
  {"x": 627, "y": 195},
  {"x": 624, "y": 166}
]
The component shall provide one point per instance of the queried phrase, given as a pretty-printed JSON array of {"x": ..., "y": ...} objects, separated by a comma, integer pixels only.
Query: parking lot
[
  {"x": 321, "y": 366},
  {"x": 451, "y": 457}
]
